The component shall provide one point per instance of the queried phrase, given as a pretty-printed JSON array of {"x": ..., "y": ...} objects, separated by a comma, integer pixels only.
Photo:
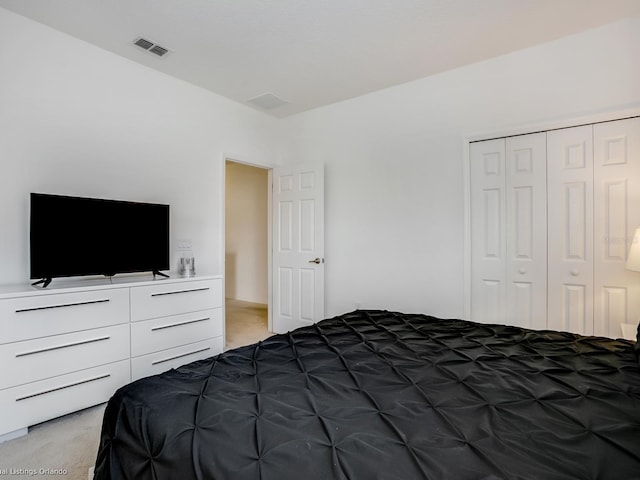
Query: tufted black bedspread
[{"x": 382, "y": 395}]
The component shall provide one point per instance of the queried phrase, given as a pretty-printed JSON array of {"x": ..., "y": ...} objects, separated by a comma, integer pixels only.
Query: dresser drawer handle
[
  {"x": 66, "y": 345},
  {"x": 162, "y": 327},
  {"x": 180, "y": 291},
  {"x": 180, "y": 356},
  {"x": 61, "y": 305},
  {"x": 19, "y": 399}
]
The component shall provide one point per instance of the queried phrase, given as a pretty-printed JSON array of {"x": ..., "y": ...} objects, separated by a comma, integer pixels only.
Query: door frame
[{"x": 231, "y": 157}]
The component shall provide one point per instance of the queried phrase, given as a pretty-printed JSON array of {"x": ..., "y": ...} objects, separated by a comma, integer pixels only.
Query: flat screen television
[{"x": 76, "y": 236}]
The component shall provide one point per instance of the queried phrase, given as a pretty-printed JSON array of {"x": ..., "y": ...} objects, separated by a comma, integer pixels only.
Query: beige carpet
[
  {"x": 70, "y": 443},
  {"x": 246, "y": 323},
  {"x": 67, "y": 444}
]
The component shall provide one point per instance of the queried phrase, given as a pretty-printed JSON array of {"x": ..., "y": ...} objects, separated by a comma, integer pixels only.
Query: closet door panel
[
  {"x": 488, "y": 246},
  {"x": 617, "y": 215},
  {"x": 570, "y": 229},
  {"x": 526, "y": 220}
]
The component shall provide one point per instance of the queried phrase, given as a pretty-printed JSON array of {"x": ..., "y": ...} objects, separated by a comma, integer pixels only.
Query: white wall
[
  {"x": 394, "y": 161},
  {"x": 246, "y": 233},
  {"x": 77, "y": 120}
]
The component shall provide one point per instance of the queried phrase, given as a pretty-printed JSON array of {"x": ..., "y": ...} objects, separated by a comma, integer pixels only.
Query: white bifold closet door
[
  {"x": 552, "y": 219},
  {"x": 594, "y": 200},
  {"x": 616, "y": 164},
  {"x": 570, "y": 193},
  {"x": 488, "y": 238},
  {"x": 509, "y": 231}
]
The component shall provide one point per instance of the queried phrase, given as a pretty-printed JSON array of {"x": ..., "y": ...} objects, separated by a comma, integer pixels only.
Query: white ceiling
[{"x": 313, "y": 53}]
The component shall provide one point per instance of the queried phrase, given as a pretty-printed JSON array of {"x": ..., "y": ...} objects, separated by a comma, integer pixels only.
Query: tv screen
[{"x": 75, "y": 236}]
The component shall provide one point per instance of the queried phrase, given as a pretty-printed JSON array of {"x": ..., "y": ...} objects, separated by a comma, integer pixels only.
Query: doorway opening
[{"x": 246, "y": 253}]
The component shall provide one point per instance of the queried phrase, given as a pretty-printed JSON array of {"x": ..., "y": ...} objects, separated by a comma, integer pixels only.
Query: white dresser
[
  {"x": 173, "y": 324},
  {"x": 72, "y": 345}
]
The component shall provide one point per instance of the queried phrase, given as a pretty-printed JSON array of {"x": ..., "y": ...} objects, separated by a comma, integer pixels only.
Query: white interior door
[{"x": 298, "y": 246}]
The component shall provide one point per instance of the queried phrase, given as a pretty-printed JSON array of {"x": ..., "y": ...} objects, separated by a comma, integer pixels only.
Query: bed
[{"x": 386, "y": 395}]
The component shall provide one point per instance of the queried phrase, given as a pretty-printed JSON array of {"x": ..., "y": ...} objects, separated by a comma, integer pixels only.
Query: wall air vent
[{"x": 150, "y": 46}]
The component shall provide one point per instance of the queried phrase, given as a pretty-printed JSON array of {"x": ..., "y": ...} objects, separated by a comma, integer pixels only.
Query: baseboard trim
[{"x": 13, "y": 435}]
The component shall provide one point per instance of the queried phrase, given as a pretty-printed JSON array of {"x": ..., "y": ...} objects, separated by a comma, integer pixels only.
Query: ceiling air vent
[
  {"x": 158, "y": 50},
  {"x": 150, "y": 46},
  {"x": 267, "y": 101}
]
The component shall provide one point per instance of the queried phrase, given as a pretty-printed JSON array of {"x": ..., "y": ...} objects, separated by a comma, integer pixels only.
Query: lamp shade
[{"x": 633, "y": 260}]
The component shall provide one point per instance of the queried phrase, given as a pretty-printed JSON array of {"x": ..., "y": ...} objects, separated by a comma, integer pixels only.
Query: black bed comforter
[{"x": 382, "y": 395}]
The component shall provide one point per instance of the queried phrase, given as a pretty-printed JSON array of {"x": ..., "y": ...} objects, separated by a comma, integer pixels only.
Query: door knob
[{"x": 316, "y": 261}]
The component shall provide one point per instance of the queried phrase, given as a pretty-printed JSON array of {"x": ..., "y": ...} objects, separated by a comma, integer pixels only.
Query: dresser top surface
[{"x": 63, "y": 285}]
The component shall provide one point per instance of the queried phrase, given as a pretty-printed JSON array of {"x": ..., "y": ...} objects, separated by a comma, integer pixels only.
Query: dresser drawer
[
  {"x": 166, "y": 299},
  {"x": 161, "y": 333},
  {"x": 37, "y": 316},
  {"x": 39, "y": 401},
  {"x": 31, "y": 360},
  {"x": 159, "y": 362}
]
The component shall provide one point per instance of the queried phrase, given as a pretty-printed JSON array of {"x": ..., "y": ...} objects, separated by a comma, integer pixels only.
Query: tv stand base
[{"x": 45, "y": 282}]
